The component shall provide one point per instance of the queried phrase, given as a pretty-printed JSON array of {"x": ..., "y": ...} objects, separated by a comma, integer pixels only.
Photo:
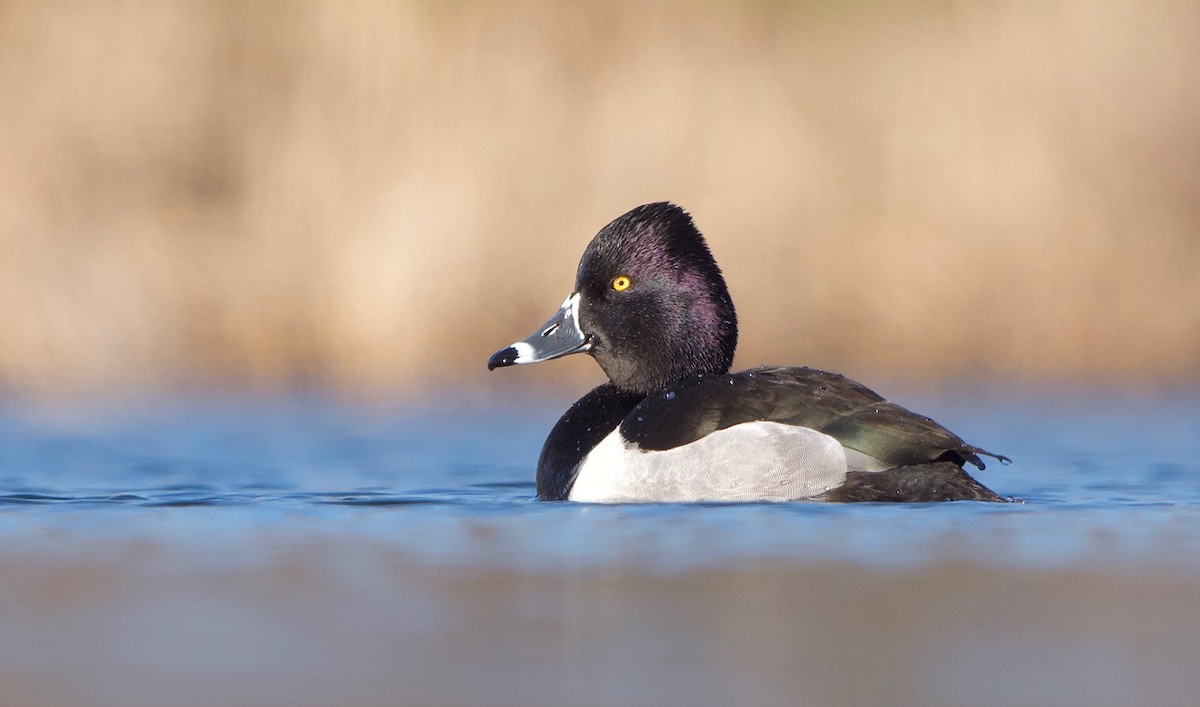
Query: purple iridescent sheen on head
[{"x": 676, "y": 320}]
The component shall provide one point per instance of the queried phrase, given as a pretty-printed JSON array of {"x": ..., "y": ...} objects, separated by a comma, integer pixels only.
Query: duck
[{"x": 673, "y": 425}]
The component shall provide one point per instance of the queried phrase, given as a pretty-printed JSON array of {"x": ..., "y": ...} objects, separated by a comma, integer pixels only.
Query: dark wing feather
[{"x": 851, "y": 413}]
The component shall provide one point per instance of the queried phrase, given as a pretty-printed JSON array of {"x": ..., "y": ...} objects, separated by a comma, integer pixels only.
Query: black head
[{"x": 650, "y": 305}]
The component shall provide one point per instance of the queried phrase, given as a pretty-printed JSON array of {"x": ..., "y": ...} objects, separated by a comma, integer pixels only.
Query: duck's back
[{"x": 879, "y": 434}]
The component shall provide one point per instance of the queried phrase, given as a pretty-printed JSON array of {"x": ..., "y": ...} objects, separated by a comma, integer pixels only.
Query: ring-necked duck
[{"x": 672, "y": 424}]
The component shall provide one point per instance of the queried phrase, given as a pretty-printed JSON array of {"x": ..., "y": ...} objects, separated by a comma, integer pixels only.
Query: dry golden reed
[{"x": 353, "y": 194}]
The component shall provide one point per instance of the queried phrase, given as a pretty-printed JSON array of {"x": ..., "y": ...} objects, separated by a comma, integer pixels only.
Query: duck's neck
[{"x": 655, "y": 357}]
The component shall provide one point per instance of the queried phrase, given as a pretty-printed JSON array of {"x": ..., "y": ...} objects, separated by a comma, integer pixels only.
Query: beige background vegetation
[{"x": 356, "y": 194}]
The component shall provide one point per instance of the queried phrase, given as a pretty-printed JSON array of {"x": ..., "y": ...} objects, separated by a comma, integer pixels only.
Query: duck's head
[{"x": 650, "y": 305}]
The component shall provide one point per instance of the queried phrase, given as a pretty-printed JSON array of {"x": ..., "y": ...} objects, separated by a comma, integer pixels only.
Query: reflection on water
[{"x": 305, "y": 551}]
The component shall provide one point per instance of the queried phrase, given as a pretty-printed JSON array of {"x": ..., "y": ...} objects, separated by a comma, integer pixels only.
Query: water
[{"x": 308, "y": 551}]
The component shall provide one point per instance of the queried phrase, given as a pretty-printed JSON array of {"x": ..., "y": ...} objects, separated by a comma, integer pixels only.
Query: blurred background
[
  {"x": 373, "y": 196},
  {"x": 366, "y": 199}
]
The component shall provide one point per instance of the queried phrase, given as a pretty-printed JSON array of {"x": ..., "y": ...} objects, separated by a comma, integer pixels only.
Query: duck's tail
[{"x": 935, "y": 481}]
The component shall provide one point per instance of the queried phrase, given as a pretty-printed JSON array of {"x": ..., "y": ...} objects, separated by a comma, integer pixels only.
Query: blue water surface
[{"x": 1106, "y": 478}]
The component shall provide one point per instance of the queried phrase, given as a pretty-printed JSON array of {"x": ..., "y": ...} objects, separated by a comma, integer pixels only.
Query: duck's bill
[{"x": 558, "y": 337}]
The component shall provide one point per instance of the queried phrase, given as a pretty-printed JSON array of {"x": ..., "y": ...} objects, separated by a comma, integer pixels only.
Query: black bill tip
[{"x": 502, "y": 358}]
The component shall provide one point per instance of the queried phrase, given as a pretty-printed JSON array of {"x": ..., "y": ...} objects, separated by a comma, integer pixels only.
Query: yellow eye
[{"x": 621, "y": 283}]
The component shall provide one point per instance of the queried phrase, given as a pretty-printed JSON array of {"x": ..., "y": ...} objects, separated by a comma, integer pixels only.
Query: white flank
[{"x": 753, "y": 461}]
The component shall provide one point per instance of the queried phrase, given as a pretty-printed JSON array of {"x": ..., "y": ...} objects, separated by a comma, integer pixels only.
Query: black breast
[{"x": 576, "y": 433}]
